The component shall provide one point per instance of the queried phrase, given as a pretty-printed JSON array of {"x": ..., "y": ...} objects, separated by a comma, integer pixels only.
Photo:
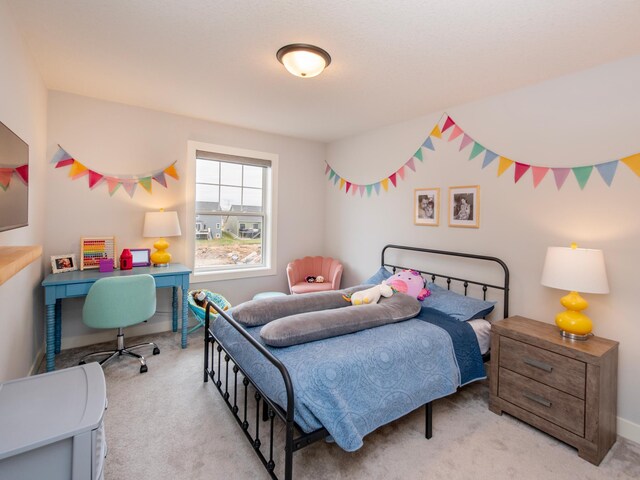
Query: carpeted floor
[{"x": 168, "y": 424}]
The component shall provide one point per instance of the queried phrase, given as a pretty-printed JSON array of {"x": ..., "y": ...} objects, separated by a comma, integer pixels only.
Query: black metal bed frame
[{"x": 270, "y": 409}]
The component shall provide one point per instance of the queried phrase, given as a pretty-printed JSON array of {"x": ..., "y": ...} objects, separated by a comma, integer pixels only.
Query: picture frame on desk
[
  {"x": 141, "y": 257},
  {"x": 93, "y": 249},
  {"x": 64, "y": 263}
]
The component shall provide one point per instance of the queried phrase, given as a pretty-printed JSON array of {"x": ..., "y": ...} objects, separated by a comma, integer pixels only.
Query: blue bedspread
[{"x": 352, "y": 384}]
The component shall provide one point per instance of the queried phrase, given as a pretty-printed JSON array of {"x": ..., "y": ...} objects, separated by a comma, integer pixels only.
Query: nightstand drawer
[
  {"x": 550, "y": 368},
  {"x": 557, "y": 407}
]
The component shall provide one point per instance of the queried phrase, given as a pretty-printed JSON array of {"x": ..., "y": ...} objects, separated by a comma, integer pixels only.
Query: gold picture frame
[
  {"x": 464, "y": 206},
  {"x": 426, "y": 207}
]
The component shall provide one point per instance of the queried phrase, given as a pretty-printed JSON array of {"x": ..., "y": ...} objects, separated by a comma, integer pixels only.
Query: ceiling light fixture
[{"x": 303, "y": 60}]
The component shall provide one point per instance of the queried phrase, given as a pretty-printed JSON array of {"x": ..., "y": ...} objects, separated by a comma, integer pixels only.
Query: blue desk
[{"x": 77, "y": 284}]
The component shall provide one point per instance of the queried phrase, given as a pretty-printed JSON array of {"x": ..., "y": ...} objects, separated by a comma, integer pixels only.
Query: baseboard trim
[
  {"x": 628, "y": 430},
  {"x": 108, "y": 335}
]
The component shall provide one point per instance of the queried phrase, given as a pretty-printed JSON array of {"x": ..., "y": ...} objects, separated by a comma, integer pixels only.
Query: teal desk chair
[{"x": 118, "y": 302}]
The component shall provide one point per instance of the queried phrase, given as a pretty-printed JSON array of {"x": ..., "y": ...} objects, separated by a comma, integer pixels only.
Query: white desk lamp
[{"x": 161, "y": 224}]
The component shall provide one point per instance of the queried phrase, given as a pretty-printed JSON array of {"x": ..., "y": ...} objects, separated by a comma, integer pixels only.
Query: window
[{"x": 234, "y": 194}]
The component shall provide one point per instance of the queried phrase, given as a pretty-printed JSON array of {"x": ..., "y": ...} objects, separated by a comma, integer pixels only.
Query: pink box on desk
[{"x": 106, "y": 264}]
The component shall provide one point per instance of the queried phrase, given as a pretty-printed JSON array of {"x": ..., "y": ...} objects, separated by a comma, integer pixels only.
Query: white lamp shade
[
  {"x": 161, "y": 224},
  {"x": 575, "y": 269}
]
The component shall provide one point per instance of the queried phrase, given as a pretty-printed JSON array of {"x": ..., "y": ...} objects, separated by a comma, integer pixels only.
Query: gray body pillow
[
  {"x": 265, "y": 310},
  {"x": 316, "y": 325}
]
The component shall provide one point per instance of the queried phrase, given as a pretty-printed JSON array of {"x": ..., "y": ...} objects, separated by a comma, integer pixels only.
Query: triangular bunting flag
[
  {"x": 326, "y": 170},
  {"x": 5, "y": 177},
  {"x": 476, "y": 150},
  {"x": 64, "y": 163},
  {"x": 60, "y": 156},
  {"x": 377, "y": 187},
  {"x": 160, "y": 178},
  {"x": 455, "y": 133},
  {"x": 361, "y": 188},
  {"x": 418, "y": 154},
  {"x": 504, "y": 165},
  {"x": 171, "y": 171},
  {"x": 392, "y": 177},
  {"x": 436, "y": 132},
  {"x": 633, "y": 162},
  {"x": 448, "y": 123},
  {"x": 410, "y": 164},
  {"x": 336, "y": 178},
  {"x": 538, "y": 174},
  {"x": 400, "y": 172},
  {"x": 582, "y": 175},
  {"x": 428, "y": 144},
  {"x": 4, "y": 187},
  {"x": 385, "y": 184},
  {"x": 342, "y": 182},
  {"x": 489, "y": 157},
  {"x": 607, "y": 171},
  {"x": 348, "y": 187},
  {"x": 521, "y": 169},
  {"x": 560, "y": 175},
  {"x": 23, "y": 173},
  {"x": 94, "y": 178},
  {"x": 331, "y": 174},
  {"x": 113, "y": 184},
  {"x": 130, "y": 186},
  {"x": 77, "y": 170},
  {"x": 466, "y": 140},
  {"x": 145, "y": 183},
  {"x": 369, "y": 187},
  {"x": 354, "y": 189}
]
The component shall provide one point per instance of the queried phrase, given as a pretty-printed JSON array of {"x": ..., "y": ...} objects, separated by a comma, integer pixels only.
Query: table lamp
[
  {"x": 161, "y": 224},
  {"x": 575, "y": 269}
]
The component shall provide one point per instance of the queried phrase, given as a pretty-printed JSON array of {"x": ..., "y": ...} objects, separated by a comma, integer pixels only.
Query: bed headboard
[{"x": 393, "y": 255}]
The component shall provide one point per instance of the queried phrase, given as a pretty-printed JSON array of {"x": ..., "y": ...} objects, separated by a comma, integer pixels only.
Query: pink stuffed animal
[{"x": 409, "y": 282}]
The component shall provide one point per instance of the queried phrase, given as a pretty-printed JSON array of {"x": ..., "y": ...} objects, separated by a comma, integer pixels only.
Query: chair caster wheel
[
  {"x": 82, "y": 362},
  {"x": 143, "y": 368},
  {"x": 156, "y": 351}
]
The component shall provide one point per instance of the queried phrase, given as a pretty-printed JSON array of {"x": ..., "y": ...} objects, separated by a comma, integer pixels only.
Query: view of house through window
[{"x": 230, "y": 211}]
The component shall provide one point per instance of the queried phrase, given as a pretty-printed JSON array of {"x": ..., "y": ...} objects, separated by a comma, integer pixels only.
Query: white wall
[
  {"x": 581, "y": 119},
  {"x": 23, "y": 110},
  {"x": 118, "y": 139}
]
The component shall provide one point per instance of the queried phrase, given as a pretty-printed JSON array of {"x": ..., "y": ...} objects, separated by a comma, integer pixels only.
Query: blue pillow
[
  {"x": 380, "y": 276},
  {"x": 458, "y": 306}
]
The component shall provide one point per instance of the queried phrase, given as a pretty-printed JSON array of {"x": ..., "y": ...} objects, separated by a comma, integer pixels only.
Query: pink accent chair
[{"x": 299, "y": 269}]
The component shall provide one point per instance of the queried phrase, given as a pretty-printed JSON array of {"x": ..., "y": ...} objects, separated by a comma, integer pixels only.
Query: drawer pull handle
[
  {"x": 537, "y": 399},
  {"x": 535, "y": 363}
]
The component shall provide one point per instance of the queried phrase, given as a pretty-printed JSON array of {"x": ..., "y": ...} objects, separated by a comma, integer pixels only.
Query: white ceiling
[{"x": 391, "y": 60}]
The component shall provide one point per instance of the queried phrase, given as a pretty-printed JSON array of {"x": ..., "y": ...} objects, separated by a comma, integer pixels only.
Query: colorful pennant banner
[
  {"x": 128, "y": 182},
  {"x": 582, "y": 174},
  {"x": 7, "y": 173}
]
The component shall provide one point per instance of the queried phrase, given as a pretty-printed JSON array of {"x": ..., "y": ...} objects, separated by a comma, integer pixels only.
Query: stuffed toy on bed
[
  {"x": 370, "y": 295},
  {"x": 409, "y": 282}
]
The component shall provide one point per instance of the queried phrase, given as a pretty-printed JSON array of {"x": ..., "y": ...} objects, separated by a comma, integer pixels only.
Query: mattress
[{"x": 482, "y": 329}]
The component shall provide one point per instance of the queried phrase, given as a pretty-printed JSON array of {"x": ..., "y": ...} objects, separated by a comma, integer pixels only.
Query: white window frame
[{"x": 270, "y": 211}]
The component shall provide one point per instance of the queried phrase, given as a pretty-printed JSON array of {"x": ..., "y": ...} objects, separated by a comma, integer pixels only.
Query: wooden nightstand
[{"x": 565, "y": 388}]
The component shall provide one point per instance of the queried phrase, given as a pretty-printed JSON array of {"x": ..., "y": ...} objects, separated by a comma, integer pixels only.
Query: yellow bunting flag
[
  {"x": 77, "y": 169},
  {"x": 633, "y": 162},
  {"x": 385, "y": 184},
  {"x": 436, "y": 132},
  {"x": 171, "y": 171},
  {"x": 342, "y": 182},
  {"x": 505, "y": 163}
]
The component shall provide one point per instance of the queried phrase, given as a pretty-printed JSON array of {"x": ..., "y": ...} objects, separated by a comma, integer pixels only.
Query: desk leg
[
  {"x": 185, "y": 317},
  {"x": 174, "y": 304},
  {"x": 50, "y": 331},
  {"x": 58, "y": 324}
]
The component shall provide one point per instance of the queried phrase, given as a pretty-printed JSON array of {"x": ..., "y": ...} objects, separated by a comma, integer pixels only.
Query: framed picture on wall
[
  {"x": 64, "y": 263},
  {"x": 464, "y": 206},
  {"x": 426, "y": 206}
]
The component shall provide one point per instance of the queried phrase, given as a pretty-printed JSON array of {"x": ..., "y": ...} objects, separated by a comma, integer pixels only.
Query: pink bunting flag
[
  {"x": 410, "y": 164},
  {"x": 64, "y": 163},
  {"x": 560, "y": 175},
  {"x": 466, "y": 140},
  {"x": 326, "y": 170},
  {"x": 448, "y": 123},
  {"x": 23, "y": 173},
  {"x": 400, "y": 172},
  {"x": 94, "y": 178},
  {"x": 113, "y": 184},
  {"x": 538, "y": 174},
  {"x": 455, "y": 133},
  {"x": 5, "y": 176},
  {"x": 354, "y": 189},
  {"x": 521, "y": 169},
  {"x": 361, "y": 188},
  {"x": 392, "y": 177}
]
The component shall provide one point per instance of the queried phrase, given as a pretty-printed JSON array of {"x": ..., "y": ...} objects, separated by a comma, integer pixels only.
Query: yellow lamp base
[
  {"x": 572, "y": 322},
  {"x": 161, "y": 258}
]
